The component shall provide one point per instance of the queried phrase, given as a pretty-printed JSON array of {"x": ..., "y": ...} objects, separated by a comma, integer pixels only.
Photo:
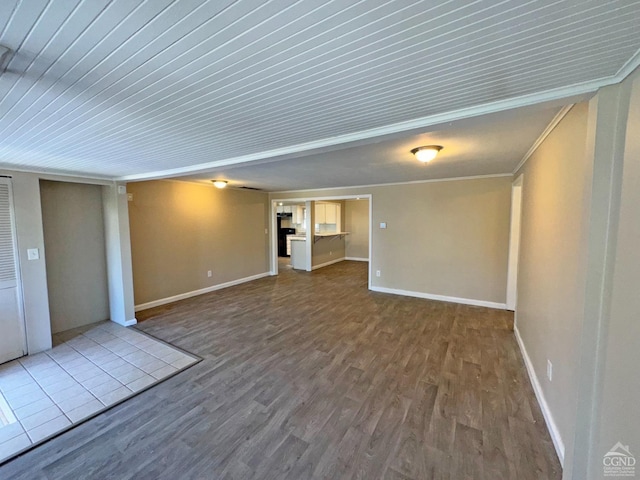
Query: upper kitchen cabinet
[
  {"x": 284, "y": 209},
  {"x": 298, "y": 214},
  {"x": 320, "y": 213},
  {"x": 327, "y": 213}
]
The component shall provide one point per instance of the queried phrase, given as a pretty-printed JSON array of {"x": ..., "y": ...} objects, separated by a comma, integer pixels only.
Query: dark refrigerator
[{"x": 282, "y": 240}]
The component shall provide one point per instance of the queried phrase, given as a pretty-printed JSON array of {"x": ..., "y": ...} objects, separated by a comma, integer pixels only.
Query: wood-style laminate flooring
[{"x": 312, "y": 376}]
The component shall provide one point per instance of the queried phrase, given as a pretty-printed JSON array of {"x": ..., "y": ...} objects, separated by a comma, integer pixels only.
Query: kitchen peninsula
[
  {"x": 299, "y": 252},
  {"x": 326, "y": 243}
]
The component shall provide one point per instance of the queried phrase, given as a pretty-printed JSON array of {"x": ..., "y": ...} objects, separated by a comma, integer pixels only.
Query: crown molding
[
  {"x": 60, "y": 177},
  {"x": 411, "y": 182},
  {"x": 628, "y": 68},
  {"x": 570, "y": 92},
  {"x": 545, "y": 133}
]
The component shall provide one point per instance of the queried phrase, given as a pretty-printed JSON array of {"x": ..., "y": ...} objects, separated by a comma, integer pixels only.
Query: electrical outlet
[
  {"x": 330, "y": 253},
  {"x": 209, "y": 273},
  {"x": 549, "y": 370},
  {"x": 377, "y": 273}
]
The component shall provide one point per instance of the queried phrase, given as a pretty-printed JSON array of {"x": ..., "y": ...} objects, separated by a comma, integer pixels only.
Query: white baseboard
[
  {"x": 326, "y": 264},
  {"x": 357, "y": 259},
  {"x": 194, "y": 293},
  {"x": 542, "y": 401},
  {"x": 126, "y": 323},
  {"x": 442, "y": 298}
]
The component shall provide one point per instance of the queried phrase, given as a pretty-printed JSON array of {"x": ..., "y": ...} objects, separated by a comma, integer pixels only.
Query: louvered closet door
[{"x": 12, "y": 339}]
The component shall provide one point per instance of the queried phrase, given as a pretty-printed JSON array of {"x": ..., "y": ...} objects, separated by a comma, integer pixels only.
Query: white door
[{"x": 12, "y": 333}]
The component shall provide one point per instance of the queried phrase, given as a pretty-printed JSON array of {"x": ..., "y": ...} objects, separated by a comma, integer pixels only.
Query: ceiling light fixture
[
  {"x": 427, "y": 153},
  {"x": 220, "y": 183},
  {"x": 5, "y": 57}
]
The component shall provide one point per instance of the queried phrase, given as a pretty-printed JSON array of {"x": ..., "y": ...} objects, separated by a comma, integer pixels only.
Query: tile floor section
[{"x": 88, "y": 370}]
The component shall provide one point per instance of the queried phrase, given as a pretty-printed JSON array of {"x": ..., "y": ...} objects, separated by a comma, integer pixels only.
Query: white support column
[
  {"x": 311, "y": 228},
  {"x": 606, "y": 145},
  {"x": 118, "y": 243}
]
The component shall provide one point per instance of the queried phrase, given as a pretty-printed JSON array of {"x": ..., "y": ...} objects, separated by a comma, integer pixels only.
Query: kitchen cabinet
[
  {"x": 326, "y": 213},
  {"x": 320, "y": 213},
  {"x": 284, "y": 209},
  {"x": 297, "y": 214},
  {"x": 331, "y": 213}
]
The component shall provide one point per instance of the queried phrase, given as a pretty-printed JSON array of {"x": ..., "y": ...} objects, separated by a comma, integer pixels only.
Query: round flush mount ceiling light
[
  {"x": 220, "y": 183},
  {"x": 427, "y": 153}
]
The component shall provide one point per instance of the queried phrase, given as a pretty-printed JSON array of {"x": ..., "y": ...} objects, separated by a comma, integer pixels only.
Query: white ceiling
[{"x": 135, "y": 89}]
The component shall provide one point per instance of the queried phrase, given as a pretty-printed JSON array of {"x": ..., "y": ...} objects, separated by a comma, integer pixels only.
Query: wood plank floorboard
[{"x": 312, "y": 376}]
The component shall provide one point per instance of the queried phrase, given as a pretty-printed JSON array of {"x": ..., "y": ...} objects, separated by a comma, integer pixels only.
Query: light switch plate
[
  {"x": 383, "y": 224},
  {"x": 122, "y": 189},
  {"x": 33, "y": 254}
]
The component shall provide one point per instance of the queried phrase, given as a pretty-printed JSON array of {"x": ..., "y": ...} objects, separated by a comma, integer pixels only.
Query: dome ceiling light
[{"x": 427, "y": 153}]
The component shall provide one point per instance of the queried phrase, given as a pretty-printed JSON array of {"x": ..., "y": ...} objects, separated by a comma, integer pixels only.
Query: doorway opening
[
  {"x": 514, "y": 243},
  {"x": 315, "y": 232},
  {"x": 76, "y": 260},
  {"x": 291, "y": 224}
]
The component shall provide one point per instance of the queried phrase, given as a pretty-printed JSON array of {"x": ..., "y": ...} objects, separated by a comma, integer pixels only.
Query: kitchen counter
[
  {"x": 293, "y": 236},
  {"x": 332, "y": 235}
]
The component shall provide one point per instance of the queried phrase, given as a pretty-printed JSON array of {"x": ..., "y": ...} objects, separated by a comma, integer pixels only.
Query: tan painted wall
[
  {"x": 552, "y": 266},
  {"x": 356, "y": 222},
  {"x": 180, "y": 230},
  {"x": 327, "y": 250},
  {"x": 75, "y": 245},
  {"x": 444, "y": 238}
]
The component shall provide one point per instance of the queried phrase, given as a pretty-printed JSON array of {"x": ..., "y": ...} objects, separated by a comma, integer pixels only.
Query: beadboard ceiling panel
[{"x": 139, "y": 89}]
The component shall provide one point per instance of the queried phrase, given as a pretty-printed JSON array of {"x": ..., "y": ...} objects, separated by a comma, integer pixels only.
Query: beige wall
[
  {"x": 181, "y": 230},
  {"x": 75, "y": 246},
  {"x": 552, "y": 266},
  {"x": 356, "y": 222},
  {"x": 446, "y": 238},
  {"x": 328, "y": 249}
]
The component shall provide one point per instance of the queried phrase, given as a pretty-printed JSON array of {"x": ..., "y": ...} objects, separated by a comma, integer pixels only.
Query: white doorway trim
[
  {"x": 514, "y": 243},
  {"x": 273, "y": 223}
]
